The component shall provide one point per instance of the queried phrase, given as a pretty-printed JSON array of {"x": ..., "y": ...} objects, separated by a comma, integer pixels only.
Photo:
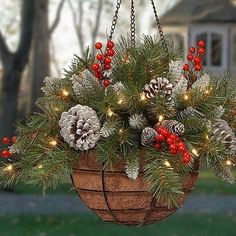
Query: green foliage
[{"x": 165, "y": 183}]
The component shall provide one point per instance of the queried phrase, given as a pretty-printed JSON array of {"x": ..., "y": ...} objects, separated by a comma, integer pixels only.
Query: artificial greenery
[{"x": 44, "y": 159}]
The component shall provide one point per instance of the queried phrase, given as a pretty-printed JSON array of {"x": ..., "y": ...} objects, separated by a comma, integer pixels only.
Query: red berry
[
  {"x": 5, "y": 154},
  {"x": 186, "y": 67},
  {"x": 192, "y": 50},
  {"x": 173, "y": 147},
  {"x": 182, "y": 147},
  {"x": 174, "y": 137},
  {"x": 100, "y": 57},
  {"x": 110, "y": 44},
  {"x": 157, "y": 146},
  {"x": 190, "y": 57},
  {"x": 98, "y": 45},
  {"x": 14, "y": 139},
  {"x": 198, "y": 67},
  {"x": 160, "y": 138},
  {"x": 95, "y": 67},
  {"x": 106, "y": 82},
  {"x": 107, "y": 61},
  {"x": 170, "y": 141},
  {"x": 111, "y": 53},
  {"x": 98, "y": 74},
  {"x": 173, "y": 152},
  {"x": 201, "y": 51},
  {"x": 201, "y": 43},
  {"x": 186, "y": 158},
  {"x": 197, "y": 60},
  {"x": 160, "y": 129},
  {"x": 107, "y": 67},
  {"x": 165, "y": 132},
  {"x": 6, "y": 140}
]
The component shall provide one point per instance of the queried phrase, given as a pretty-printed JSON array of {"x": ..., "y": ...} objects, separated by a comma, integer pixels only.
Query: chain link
[
  {"x": 115, "y": 18},
  {"x": 132, "y": 24},
  {"x": 162, "y": 36}
]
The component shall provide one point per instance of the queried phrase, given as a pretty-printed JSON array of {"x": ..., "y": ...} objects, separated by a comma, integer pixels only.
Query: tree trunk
[
  {"x": 9, "y": 103},
  {"x": 40, "y": 54},
  {"x": 13, "y": 67}
]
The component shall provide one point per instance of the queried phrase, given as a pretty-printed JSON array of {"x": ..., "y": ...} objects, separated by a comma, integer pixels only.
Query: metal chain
[
  {"x": 115, "y": 18},
  {"x": 132, "y": 24},
  {"x": 162, "y": 36}
]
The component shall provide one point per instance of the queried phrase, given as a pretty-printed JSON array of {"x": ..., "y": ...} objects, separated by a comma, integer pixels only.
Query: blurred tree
[
  {"x": 13, "y": 66},
  {"x": 40, "y": 59},
  {"x": 78, "y": 15}
]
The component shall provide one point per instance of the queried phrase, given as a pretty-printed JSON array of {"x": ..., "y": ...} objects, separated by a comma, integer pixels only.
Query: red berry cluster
[
  {"x": 103, "y": 61},
  {"x": 195, "y": 57},
  {"x": 7, "y": 141},
  {"x": 176, "y": 146}
]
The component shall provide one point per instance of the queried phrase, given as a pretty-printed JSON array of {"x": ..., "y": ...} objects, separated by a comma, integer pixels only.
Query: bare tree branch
[
  {"x": 78, "y": 22},
  {"x": 4, "y": 51},
  {"x": 97, "y": 20},
  {"x": 57, "y": 18}
]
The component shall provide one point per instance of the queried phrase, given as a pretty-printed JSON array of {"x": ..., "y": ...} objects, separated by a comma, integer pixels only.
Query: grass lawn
[
  {"x": 88, "y": 225},
  {"x": 206, "y": 184}
]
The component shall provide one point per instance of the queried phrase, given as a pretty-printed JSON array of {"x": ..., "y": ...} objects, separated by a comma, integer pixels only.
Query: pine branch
[{"x": 165, "y": 183}]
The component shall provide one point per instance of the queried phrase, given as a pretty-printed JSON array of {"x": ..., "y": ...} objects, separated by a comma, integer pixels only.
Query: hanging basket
[{"x": 116, "y": 198}]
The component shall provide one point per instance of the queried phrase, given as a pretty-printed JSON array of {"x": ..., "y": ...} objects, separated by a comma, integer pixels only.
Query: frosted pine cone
[
  {"x": 174, "y": 126},
  {"x": 222, "y": 132},
  {"x": 148, "y": 137},
  {"x": 159, "y": 86},
  {"x": 80, "y": 127}
]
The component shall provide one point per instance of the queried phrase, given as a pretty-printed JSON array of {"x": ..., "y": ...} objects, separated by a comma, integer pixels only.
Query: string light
[
  {"x": 229, "y": 163},
  {"x": 143, "y": 97},
  {"x": 195, "y": 152},
  {"x": 186, "y": 97},
  {"x": 207, "y": 92},
  {"x": 120, "y": 101},
  {"x": 121, "y": 131},
  {"x": 167, "y": 163},
  {"x": 56, "y": 109},
  {"x": 53, "y": 143},
  {"x": 40, "y": 166},
  {"x": 160, "y": 118},
  {"x": 207, "y": 137},
  {"x": 9, "y": 168},
  {"x": 110, "y": 112},
  {"x": 64, "y": 93}
]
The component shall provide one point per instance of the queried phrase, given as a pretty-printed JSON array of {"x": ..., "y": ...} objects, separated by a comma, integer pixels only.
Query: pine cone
[
  {"x": 174, "y": 127},
  {"x": 160, "y": 86},
  {"x": 80, "y": 127},
  {"x": 148, "y": 137},
  {"x": 222, "y": 132}
]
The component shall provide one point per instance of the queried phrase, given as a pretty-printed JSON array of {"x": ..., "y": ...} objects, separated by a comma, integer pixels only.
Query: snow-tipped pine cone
[
  {"x": 159, "y": 86},
  {"x": 80, "y": 127}
]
